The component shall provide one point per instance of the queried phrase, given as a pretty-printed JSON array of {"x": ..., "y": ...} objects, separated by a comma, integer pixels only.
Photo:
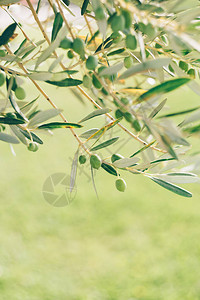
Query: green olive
[
  {"x": 115, "y": 157},
  {"x": 96, "y": 82},
  {"x": 95, "y": 161},
  {"x": 183, "y": 65},
  {"x": 131, "y": 42},
  {"x": 128, "y": 116},
  {"x": 70, "y": 54},
  {"x": 20, "y": 93},
  {"x": 32, "y": 147},
  {"x": 2, "y": 79},
  {"x": 136, "y": 125},
  {"x": 87, "y": 81},
  {"x": 118, "y": 114},
  {"x": 104, "y": 91},
  {"x": 2, "y": 53},
  {"x": 120, "y": 184},
  {"x": 191, "y": 72},
  {"x": 125, "y": 101},
  {"x": 128, "y": 18},
  {"x": 118, "y": 23},
  {"x": 128, "y": 62},
  {"x": 66, "y": 44},
  {"x": 99, "y": 13},
  {"x": 78, "y": 46},
  {"x": 91, "y": 62},
  {"x": 82, "y": 159}
]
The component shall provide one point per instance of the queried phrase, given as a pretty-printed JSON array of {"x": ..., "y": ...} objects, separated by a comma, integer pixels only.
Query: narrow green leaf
[
  {"x": 28, "y": 106},
  {"x": 84, "y": 6},
  {"x": 38, "y": 6},
  {"x": 16, "y": 107},
  {"x": 31, "y": 136},
  {"x": 178, "y": 113},
  {"x": 172, "y": 187},
  {"x": 95, "y": 113},
  {"x": 11, "y": 121},
  {"x": 108, "y": 168},
  {"x": 7, "y": 34},
  {"x": 164, "y": 87},
  {"x": 105, "y": 144},
  {"x": 168, "y": 147},
  {"x": 143, "y": 148},
  {"x": 116, "y": 52},
  {"x": 54, "y": 125},
  {"x": 66, "y": 82},
  {"x": 57, "y": 24},
  {"x": 157, "y": 109},
  {"x": 145, "y": 66},
  {"x": 8, "y": 138}
]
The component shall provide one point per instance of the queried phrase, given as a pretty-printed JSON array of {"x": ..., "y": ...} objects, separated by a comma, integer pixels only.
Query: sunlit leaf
[
  {"x": 162, "y": 88},
  {"x": 54, "y": 125}
]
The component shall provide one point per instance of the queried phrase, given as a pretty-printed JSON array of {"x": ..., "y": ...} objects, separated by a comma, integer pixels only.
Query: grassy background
[{"x": 143, "y": 244}]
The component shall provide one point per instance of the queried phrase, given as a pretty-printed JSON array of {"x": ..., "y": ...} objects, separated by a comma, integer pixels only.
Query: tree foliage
[{"x": 124, "y": 58}]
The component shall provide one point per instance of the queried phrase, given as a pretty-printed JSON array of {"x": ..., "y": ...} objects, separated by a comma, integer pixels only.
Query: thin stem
[
  {"x": 64, "y": 19},
  {"x": 50, "y": 101}
]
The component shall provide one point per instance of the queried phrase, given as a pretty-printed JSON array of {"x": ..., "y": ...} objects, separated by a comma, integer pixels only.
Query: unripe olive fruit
[
  {"x": 91, "y": 62},
  {"x": 70, "y": 54},
  {"x": 128, "y": 62},
  {"x": 191, "y": 72},
  {"x": 32, "y": 147},
  {"x": 183, "y": 65},
  {"x": 128, "y": 18},
  {"x": 118, "y": 114},
  {"x": 136, "y": 125},
  {"x": 125, "y": 101},
  {"x": 104, "y": 91},
  {"x": 2, "y": 53},
  {"x": 128, "y": 116},
  {"x": 131, "y": 42},
  {"x": 99, "y": 13},
  {"x": 78, "y": 46},
  {"x": 118, "y": 23},
  {"x": 66, "y": 43},
  {"x": 115, "y": 157},
  {"x": 20, "y": 93},
  {"x": 95, "y": 161},
  {"x": 120, "y": 184},
  {"x": 87, "y": 81},
  {"x": 2, "y": 79},
  {"x": 96, "y": 82},
  {"x": 82, "y": 159}
]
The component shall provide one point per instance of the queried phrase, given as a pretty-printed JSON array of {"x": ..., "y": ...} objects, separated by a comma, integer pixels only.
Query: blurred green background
[{"x": 142, "y": 244}]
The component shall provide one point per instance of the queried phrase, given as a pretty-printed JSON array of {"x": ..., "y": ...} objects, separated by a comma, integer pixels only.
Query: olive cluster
[{"x": 96, "y": 163}]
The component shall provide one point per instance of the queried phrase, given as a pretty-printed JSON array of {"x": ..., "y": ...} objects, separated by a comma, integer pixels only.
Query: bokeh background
[{"x": 139, "y": 245}]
